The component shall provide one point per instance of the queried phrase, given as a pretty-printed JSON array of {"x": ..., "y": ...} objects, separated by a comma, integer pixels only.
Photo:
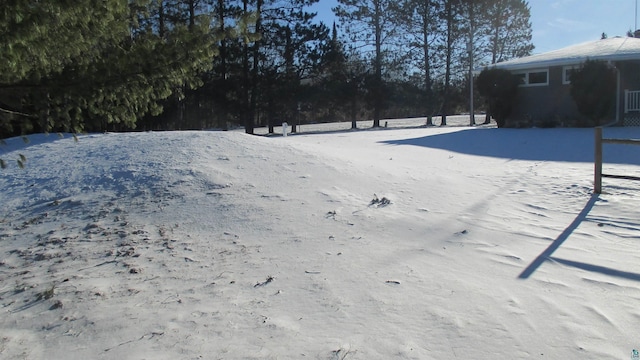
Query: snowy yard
[{"x": 414, "y": 243}]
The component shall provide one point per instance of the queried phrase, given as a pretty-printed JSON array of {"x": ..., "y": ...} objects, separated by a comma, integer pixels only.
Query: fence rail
[
  {"x": 631, "y": 101},
  {"x": 598, "y": 175}
]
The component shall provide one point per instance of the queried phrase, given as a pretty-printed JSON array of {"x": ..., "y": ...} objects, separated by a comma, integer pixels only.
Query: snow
[
  {"x": 222, "y": 245},
  {"x": 610, "y": 49}
]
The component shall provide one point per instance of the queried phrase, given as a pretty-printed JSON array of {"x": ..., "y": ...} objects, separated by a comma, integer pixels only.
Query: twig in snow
[
  {"x": 341, "y": 353},
  {"x": 269, "y": 279},
  {"x": 379, "y": 202},
  {"x": 152, "y": 334}
]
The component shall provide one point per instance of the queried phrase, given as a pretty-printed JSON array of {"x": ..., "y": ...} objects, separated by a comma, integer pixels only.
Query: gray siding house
[{"x": 544, "y": 98}]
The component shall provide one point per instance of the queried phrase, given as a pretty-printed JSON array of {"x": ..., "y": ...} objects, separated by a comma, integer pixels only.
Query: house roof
[{"x": 611, "y": 49}]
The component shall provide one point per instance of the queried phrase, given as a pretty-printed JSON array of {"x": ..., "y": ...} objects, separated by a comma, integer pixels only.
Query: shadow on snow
[
  {"x": 546, "y": 254},
  {"x": 563, "y": 145}
]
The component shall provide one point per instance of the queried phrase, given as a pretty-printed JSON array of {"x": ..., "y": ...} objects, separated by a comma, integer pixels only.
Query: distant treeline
[{"x": 196, "y": 64}]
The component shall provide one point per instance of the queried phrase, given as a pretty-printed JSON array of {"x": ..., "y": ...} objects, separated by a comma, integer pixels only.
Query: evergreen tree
[
  {"x": 342, "y": 80},
  {"x": 472, "y": 12},
  {"x": 295, "y": 60},
  {"x": 286, "y": 36},
  {"x": 499, "y": 87},
  {"x": 374, "y": 24},
  {"x": 333, "y": 77},
  {"x": 223, "y": 85},
  {"x": 450, "y": 18},
  {"x": 510, "y": 30},
  {"x": 70, "y": 65},
  {"x": 423, "y": 28},
  {"x": 593, "y": 88}
]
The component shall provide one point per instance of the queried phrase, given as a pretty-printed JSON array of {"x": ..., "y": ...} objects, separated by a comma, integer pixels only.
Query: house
[{"x": 544, "y": 97}]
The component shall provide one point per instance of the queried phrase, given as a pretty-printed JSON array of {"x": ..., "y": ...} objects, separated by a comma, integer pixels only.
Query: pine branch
[{"x": 13, "y": 112}]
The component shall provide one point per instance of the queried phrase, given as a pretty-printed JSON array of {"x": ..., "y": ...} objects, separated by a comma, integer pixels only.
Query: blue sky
[{"x": 558, "y": 23}]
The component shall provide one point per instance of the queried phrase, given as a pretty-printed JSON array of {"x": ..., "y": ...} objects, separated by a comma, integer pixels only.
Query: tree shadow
[
  {"x": 559, "y": 144},
  {"x": 329, "y": 129}
]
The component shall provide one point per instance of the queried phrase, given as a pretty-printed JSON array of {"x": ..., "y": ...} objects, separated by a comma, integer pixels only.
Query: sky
[{"x": 558, "y": 24}]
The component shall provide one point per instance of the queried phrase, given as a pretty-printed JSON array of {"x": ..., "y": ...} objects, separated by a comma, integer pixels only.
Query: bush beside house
[
  {"x": 593, "y": 88},
  {"x": 499, "y": 87}
]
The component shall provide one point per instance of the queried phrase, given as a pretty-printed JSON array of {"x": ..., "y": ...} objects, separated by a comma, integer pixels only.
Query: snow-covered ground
[{"x": 415, "y": 243}]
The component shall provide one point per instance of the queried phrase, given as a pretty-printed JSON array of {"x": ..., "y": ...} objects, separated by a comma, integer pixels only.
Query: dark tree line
[{"x": 195, "y": 64}]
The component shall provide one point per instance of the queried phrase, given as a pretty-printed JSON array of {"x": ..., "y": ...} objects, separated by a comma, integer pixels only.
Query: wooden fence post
[{"x": 597, "y": 181}]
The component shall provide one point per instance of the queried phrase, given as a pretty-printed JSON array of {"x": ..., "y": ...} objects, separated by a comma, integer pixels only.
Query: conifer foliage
[
  {"x": 593, "y": 88},
  {"x": 374, "y": 24},
  {"x": 68, "y": 64},
  {"x": 499, "y": 87},
  {"x": 200, "y": 64}
]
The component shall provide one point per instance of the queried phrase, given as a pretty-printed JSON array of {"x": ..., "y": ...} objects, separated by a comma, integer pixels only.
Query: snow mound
[{"x": 478, "y": 242}]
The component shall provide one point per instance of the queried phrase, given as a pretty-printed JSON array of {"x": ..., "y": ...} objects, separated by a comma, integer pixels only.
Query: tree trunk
[
  {"x": 161, "y": 19},
  {"x": 472, "y": 26},
  {"x": 223, "y": 64},
  {"x": 192, "y": 14},
  {"x": 246, "y": 113},
  {"x": 449, "y": 50},
  {"x": 428, "y": 93},
  {"x": 290, "y": 80},
  {"x": 377, "y": 86},
  {"x": 253, "y": 102},
  {"x": 494, "y": 40}
]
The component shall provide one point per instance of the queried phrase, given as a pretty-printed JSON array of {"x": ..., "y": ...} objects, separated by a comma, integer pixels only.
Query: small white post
[
  {"x": 284, "y": 129},
  {"x": 626, "y": 101}
]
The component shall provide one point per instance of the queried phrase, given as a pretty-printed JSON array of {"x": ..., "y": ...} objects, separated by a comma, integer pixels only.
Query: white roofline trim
[
  {"x": 562, "y": 62},
  {"x": 613, "y": 49}
]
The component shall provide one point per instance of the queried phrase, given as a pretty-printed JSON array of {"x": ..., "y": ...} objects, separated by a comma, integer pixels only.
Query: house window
[
  {"x": 567, "y": 71},
  {"x": 539, "y": 77}
]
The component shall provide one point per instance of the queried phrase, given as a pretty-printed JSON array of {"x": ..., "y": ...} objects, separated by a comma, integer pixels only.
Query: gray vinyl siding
[{"x": 537, "y": 105}]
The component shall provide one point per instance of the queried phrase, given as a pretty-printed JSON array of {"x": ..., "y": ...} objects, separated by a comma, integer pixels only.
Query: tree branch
[{"x": 12, "y": 112}]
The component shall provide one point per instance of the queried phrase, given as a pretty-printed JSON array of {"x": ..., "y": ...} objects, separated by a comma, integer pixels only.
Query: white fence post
[
  {"x": 631, "y": 101},
  {"x": 626, "y": 101},
  {"x": 284, "y": 129}
]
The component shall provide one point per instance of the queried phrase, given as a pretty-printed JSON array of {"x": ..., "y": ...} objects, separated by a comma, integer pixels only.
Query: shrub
[
  {"x": 499, "y": 87},
  {"x": 593, "y": 89}
]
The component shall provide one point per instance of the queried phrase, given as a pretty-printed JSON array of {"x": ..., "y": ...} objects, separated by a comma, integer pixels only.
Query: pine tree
[
  {"x": 475, "y": 27},
  {"x": 422, "y": 29},
  {"x": 279, "y": 59},
  {"x": 68, "y": 65},
  {"x": 223, "y": 84},
  {"x": 341, "y": 79},
  {"x": 374, "y": 24},
  {"x": 499, "y": 87},
  {"x": 510, "y": 30},
  {"x": 449, "y": 16},
  {"x": 593, "y": 88}
]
